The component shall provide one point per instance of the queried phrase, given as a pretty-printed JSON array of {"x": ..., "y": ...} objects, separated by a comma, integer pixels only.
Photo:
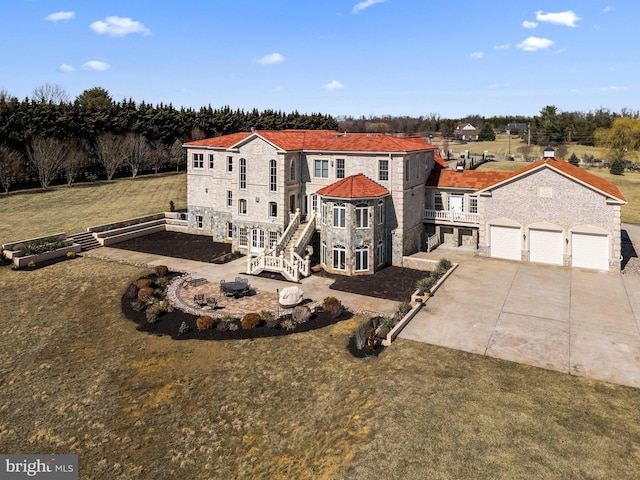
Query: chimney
[{"x": 549, "y": 152}]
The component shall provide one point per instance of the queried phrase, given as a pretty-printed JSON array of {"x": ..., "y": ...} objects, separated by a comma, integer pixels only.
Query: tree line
[{"x": 50, "y": 138}]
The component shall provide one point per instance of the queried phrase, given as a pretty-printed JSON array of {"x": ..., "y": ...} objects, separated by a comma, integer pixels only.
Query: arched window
[
  {"x": 362, "y": 215},
  {"x": 323, "y": 253},
  {"x": 292, "y": 170},
  {"x": 273, "y": 176},
  {"x": 339, "y": 257},
  {"x": 362, "y": 258}
]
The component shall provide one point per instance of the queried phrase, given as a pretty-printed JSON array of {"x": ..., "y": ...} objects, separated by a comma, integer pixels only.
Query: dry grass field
[
  {"x": 503, "y": 145},
  {"x": 72, "y": 209},
  {"x": 76, "y": 377}
]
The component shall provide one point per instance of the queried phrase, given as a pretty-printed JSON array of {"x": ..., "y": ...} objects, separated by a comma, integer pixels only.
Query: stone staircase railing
[
  {"x": 305, "y": 237},
  {"x": 289, "y": 231}
]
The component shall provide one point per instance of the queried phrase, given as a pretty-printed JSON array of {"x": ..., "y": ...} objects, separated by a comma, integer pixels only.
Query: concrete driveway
[{"x": 566, "y": 319}]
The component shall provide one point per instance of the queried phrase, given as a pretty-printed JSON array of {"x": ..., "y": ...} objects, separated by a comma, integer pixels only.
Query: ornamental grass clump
[
  {"x": 153, "y": 313},
  {"x": 300, "y": 314}
]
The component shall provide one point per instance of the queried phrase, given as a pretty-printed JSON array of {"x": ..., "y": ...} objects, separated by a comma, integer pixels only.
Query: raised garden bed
[{"x": 41, "y": 250}]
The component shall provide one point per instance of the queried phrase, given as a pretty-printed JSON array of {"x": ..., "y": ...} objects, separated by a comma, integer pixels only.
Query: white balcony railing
[{"x": 451, "y": 216}]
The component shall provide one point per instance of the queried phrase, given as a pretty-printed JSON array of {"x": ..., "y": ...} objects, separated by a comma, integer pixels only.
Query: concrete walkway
[
  {"x": 315, "y": 287},
  {"x": 566, "y": 319}
]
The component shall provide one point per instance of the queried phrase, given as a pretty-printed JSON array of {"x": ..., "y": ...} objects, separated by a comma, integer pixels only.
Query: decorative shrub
[
  {"x": 251, "y": 320},
  {"x": 132, "y": 291},
  {"x": 144, "y": 282},
  {"x": 145, "y": 293},
  {"x": 138, "y": 305},
  {"x": 18, "y": 247},
  {"x": 401, "y": 310},
  {"x": 288, "y": 324},
  {"x": 172, "y": 206},
  {"x": 444, "y": 264},
  {"x": 333, "y": 306},
  {"x": 162, "y": 282},
  {"x": 233, "y": 326},
  {"x": 300, "y": 314},
  {"x": 205, "y": 322},
  {"x": 273, "y": 322},
  {"x": 222, "y": 326},
  {"x": 184, "y": 328},
  {"x": 165, "y": 306},
  {"x": 389, "y": 322},
  {"x": 153, "y": 313},
  {"x": 426, "y": 283},
  {"x": 266, "y": 315},
  {"x": 616, "y": 167},
  {"x": 161, "y": 270}
]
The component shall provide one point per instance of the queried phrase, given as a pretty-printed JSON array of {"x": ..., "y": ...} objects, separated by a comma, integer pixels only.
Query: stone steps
[{"x": 86, "y": 240}]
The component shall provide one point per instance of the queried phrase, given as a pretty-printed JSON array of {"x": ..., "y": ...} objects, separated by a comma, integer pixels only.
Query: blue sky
[{"x": 342, "y": 57}]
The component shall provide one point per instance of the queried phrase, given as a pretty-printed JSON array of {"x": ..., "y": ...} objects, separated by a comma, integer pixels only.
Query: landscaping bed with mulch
[
  {"x": 180, "y": 325},
  {"x": 390, "y": 283},
  {"x": 181, "y": 245}
]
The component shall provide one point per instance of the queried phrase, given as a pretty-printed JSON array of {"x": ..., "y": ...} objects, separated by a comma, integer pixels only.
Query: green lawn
[
  {"x": 629, "y": 185},
  {"x": 72, "y": 209},
  {"x": 78, "y": 378}
]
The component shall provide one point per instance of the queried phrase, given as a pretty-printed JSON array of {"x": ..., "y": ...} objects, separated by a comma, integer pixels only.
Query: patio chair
[
  {"x": 198, "y": 300},
  {"x": 212, "y": 303}
]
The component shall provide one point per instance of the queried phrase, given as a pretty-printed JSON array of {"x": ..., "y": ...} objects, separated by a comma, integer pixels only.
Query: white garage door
[
  {"x": 545, "y": 247},
  {"x": 590, "y": 251},
  {"x": 505, "y": 242}
]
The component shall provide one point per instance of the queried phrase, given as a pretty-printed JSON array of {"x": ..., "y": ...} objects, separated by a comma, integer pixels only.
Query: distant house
[
  {"x": 467, "y": 133},
  {"x": 515, "y": 128},
  {"x": 549, "y": 211}
]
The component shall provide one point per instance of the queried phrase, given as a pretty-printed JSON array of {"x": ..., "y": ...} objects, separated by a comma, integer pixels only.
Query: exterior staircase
[
  {"x": 286, "y": 257},
  {"x": 86, "y": 240}
]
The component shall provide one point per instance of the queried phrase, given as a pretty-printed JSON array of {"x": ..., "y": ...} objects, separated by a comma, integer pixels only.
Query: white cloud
[
  {"x": 58, "y": 16},
  {"x": 613, "y": 88},
  {"x": 528, "y": 24},
  {"x": 366, "y": 4},
  {"x": 505, "y": 46},
  {"x": 531, "y": 44},
  {"x": 96, "y": 66},
  {"x": 476, "y": 55},
  {"x": 118, "y": 27},
  {"x": 271, "y": 59},
  {"x": 608, "y": 9},
  {"x": 66, "y": 68},
  {"x": 568, "y": 18},
  {"x": 334, "y": 85}
]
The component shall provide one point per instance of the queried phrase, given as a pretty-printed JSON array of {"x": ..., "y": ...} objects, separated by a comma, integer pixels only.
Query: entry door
[
  {"x": 257, "y": 240},
  {"x": 292, "y": 203},
  {"x": 456, "y": 202}
]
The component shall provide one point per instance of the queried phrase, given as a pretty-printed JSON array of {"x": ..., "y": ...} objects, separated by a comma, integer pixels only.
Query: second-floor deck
[{"x": 450, "y": 216}]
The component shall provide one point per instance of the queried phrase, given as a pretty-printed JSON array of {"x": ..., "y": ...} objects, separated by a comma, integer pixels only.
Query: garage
[
  {"x": 589, "y": 250},
  {"x": 545, "y": 246},
  {"x": 505, "y": 242}
]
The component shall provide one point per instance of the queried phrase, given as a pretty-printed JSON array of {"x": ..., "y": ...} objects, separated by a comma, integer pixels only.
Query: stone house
[
  {"x": 549, "y": 211},
  {"x": 271, "y": 193}
]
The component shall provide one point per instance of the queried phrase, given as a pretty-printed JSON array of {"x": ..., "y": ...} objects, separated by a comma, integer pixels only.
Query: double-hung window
[
  {"x": 340, "y": 168},
  {"x": 383, "y": 170},
  {"x": 229, "y": 163},
  {"x": 380, "y": 252},
  {"x": 211, "y": 161},
  {"x": 473, "y": 204},
  {"x": 229, "y": 230},
  {"x": 198, "y": 160},
  {"x": 321, "y": 168},
  {"x": 229, "y": 198},
  {"x": 273, "y": 239},
  {"x": 242, "y": 236},
  {"x": 339, "y": 215},
  {"x": 380, "y": 212},
  {"x": 242, "y": 206},
  {"x": 200, "y": 222},
  {"x": 273, "y": 209},
  {"x": 437, "y": 201}
]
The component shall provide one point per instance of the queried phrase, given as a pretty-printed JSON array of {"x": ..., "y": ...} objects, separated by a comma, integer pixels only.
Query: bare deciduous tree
[
  {"x": 75, "y": 161},
  {"x": 47, "y": 156},
  {"x": 110, "y": 152},
  {"x": 50, "y": 93},
  {"x": 11, "y": 167},
  {"x": 137, "y": 151},
  {"x": 159, "y": 156}
]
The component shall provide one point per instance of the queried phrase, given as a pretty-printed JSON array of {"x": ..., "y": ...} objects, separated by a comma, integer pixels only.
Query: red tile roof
[
  {"x": 355, "y": 186},
  {"x": 578, "y": 173},
  {"x": 484, "y": 180},
  {"x": 322, "y": 140},
  {"x": 439, "y": 160},
  {"x": 470, "y": 179}
]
